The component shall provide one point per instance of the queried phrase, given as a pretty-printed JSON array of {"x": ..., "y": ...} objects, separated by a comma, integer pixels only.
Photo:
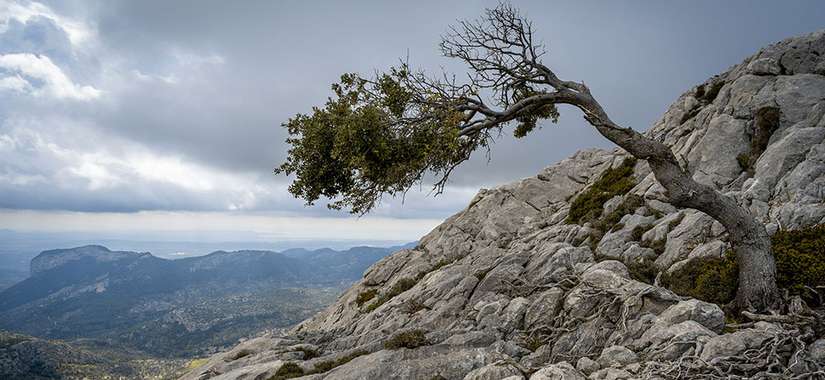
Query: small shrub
[
  {"x": 480, "y": 274},
  {"x": 534, "y": 343},
  {"x": 407, "y": 339},
  {"x": 441, "y": 264},
  {"x": 288, "y": 370},
  {"x": 637, "y": 232},
  {"x": 744, "y": 161},
  {"x": 399, "y": 287},
  {"x": 712, "y": 280},
  {"x": 365, "y": 296},
  {"x": 800, "y": 260},
  {"x": 643, "y": 271},
  {"x": 308, "y": 353},
  {"x": 327, "y": 365},
  {"x": 413, "y": 306},
  {"x": 613, "y": 181},
  {"x": 657, "y": 246}
]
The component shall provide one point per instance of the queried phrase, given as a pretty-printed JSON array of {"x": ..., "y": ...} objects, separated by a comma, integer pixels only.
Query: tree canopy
[{"x": 385, "y": 133}]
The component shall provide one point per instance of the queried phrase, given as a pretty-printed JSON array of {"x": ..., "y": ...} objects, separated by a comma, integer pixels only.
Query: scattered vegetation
[
  {"x": 712, "y": 280},
  {"x": 407, "y": 339},
  {"x": 657, "y": 246},
  {"x": 643, "y": 271},
  {"x": 328, "y": 365},
  {"x": 766, "y": 121},
  {"x": 288, "y": 370},
  {"x": 800, "y": 260},
  {"x": 534, "y": 343},
  {"x": 399, "y": 287},
  {"x": 365, "y": 296},
  {"x": 414, "y": 305},
  {"x": 480, "y": 274},
  {"x": 441, "y": 264},
  {"x": 613, "y": 181},
  {"x": 800, "y": 267},
  {"x": 195, "y": 363},
  {"x": 309, "y": 353}
]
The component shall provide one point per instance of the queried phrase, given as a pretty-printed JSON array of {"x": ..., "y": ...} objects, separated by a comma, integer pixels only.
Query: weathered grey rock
[
  {"x": 611, "y": 374},
  {"x": 735, "y": 343},
  {"x": 616, "y": 356},
  {"x": 544, "y": 308},
  {"x": 707, "y": 314},
  {"x": 558, "y": 371},
  {"x": 494, "y": 372},
  {"x": 764, "y": 66},
  {"x": 817, "y": 350},
  {"x": 587, "y": 366}
]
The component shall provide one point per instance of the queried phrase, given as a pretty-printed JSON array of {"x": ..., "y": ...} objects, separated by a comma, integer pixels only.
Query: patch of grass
[
  {"x": 765, "y": 123},
  {"x": 195, "y": 363},
  {"x": 407, "y": 339},
  {"x": 365, "y": 296},
  {"x": 399, "y": 287},
  {"x": 288, "y": 370},
  {"x": 613, "y": 181},
  {"x": 328, "y": 365}
]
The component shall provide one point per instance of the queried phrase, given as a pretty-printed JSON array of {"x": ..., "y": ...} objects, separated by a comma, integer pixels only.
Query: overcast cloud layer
[{"x": 126, "y": 106}]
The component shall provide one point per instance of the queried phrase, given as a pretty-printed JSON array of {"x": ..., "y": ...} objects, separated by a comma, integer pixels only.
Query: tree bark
[{"x": 750, "y": 241}]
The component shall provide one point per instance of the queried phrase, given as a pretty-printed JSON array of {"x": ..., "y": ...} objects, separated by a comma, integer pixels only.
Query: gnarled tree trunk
[{"x": 750, "y": 241}]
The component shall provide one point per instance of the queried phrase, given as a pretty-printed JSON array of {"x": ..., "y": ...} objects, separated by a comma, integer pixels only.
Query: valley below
[{"x": 97, "y": 313}]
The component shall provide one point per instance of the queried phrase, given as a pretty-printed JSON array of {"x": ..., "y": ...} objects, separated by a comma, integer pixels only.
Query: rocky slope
[{"x": 507, "y": 288}]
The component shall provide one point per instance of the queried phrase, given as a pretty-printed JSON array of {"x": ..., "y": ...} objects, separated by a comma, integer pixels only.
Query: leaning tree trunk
[{"x": 750, "y": 241}]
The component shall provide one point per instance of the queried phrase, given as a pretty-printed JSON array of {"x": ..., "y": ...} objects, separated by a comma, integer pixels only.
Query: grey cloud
[{"x": 211, "y": 81}]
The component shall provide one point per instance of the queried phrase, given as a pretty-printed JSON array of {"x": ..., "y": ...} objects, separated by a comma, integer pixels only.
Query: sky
[{"x": 164, "y": 117}]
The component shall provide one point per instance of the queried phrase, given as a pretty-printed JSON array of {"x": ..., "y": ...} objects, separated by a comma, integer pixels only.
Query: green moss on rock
[{"x": 613, "y": 181}]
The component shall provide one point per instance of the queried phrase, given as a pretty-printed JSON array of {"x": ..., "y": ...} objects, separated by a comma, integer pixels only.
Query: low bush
[
  {"x": 365, "y": 296},
  {"x": 407, "y": 339},
  {"x": 288, "y": 370},
  {"x": 327, "y": 365},
  {"x": 399, "y": 287}
]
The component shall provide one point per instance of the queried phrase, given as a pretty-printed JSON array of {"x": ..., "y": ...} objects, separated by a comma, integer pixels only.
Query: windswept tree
[{"x": 382, "y": 134}]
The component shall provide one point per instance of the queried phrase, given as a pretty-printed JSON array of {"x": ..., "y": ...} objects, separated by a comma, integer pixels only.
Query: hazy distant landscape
[{"x": 160, "y": 311}]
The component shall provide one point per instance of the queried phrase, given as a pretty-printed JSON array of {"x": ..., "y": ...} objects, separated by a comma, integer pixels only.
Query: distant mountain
[
  {"x": 179, "y": 307},
  {"x": 24, "y": 357}
]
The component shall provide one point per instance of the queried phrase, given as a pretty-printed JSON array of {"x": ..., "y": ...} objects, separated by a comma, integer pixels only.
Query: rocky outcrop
[{"x": 507, "y": 289}]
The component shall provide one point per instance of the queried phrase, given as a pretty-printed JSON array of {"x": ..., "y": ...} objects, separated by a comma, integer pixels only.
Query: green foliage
[
  {"x": 288, "y": 370},
  {"x": 441, "y": 264},
  {"x": 365, "y": 296},
  {"x": 712, "y": 280},
  {"x": 407, "y": 339},
  {"x": 308, "y": 353},
  {"x": 657, "y": 246},
  {"x": 643, "y": 271},
  {"x": 800, "y": 267},
  {"x": 327, "y": 365},
  {"x": 588, "y": 205},
  {"x": 399, "y": 287},
  {"x": 374, "y": 137},
  {"x": 534, "y": 343},
  {"x": 527, "y": 121},
  {"x": 800, "y": 259}
]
